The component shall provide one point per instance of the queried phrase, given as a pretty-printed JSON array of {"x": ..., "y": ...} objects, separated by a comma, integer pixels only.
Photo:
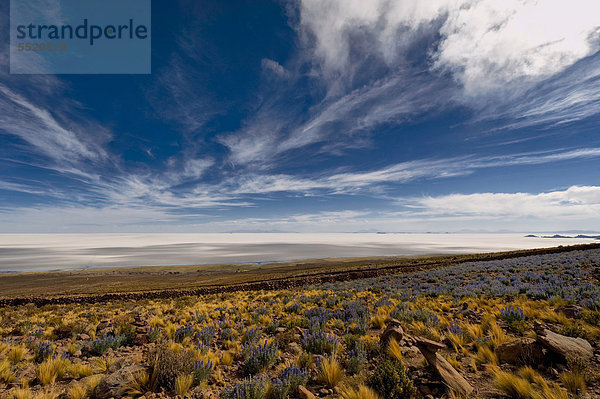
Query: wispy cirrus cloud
[
  {"x": 178, "y": 96},
  {"x": 172, "y": 190},
  {"x": 573, "y": 208},
  {"x": 402, "y": 172},
  {"x": 504, "y": 61},
  {"x": 40, "y": 129},
  {"x": 568, "y": 97},
  {"x": 361, "y": 72},
  {"x": 335, "y": 123}
]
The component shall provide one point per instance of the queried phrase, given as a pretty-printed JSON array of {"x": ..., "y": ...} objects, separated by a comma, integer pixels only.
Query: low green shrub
[
  {"x": 391, "y": 380},
  {"x": 167, "y": 364}
]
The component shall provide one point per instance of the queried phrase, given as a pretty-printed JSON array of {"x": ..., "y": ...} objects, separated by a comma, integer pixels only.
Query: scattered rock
[
  {"x": 295, "y": 348},
  {"x": 468, "y": 314},
  {"x": 324, "y": 391},
  {"x": 141, "y": 339},
  {"x": 26, "y": 373},
  {"x": 94, "y": 377},
  {"x": 428, "y": 344},
  {"x": 392, "y": 331},
  {"x": 304, "y": 393},
  {"x": 115, "y": 384},
  {"x": 563, "y": 345},
  {"x": 571, "y": 311},
  {"x": 105, "y": 331},
  {"x": 541, "y": 368},
  {"x": 411, "y": 350},
  {"x": 425, "y": 390},
  {"x": 103, "y": 324},
  {"x": 83, "y": 337},
  {"x": 394, "y": 323},
  {"x": 449, "y": 375},
  {"x": 125, "y": 361},
  {"x": 521, "y": 351}
]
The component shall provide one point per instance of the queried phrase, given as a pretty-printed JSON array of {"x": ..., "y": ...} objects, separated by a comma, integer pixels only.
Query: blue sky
[{"x": 318, "y": 116}]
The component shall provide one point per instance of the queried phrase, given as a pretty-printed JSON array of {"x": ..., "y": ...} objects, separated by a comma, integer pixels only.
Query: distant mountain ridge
[{"x": 597, "y": 237}]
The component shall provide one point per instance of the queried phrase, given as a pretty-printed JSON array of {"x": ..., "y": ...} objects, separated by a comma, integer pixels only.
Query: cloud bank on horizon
[{"x": 339, "y": 115}]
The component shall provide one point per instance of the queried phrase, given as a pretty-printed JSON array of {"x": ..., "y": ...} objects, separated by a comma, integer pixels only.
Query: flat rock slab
[
  {"x": 428, "y": 344},
  {"x": 571, "y": 311},
  {"x": 520, "y": 351},
  {"x": 304, "y": 393},
  {"x": 115, "y": 384},
  {"x": 563, "y": 345},
  {"x": 452, "y": 378}
]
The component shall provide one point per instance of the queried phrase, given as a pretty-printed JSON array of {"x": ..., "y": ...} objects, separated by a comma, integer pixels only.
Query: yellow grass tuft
[
  {"x": 17, "y": 353},
  {"x": 47, "y": 394},
  {"x": 426, "y": 331},
  {"x": 457, "y": 341},
  {"x": 6, "y": 373},
  {"x": 20, "y": 393},
  {"x": 394, "y": 349},
  {"x": 50, "y": 370},
  {"x": 361, "y": 392},
  {"x": 513, "y": 386},
  {"x": 473, "y": 365},
  {"x": 138, "y": 384},
  {"x": 78, "y": 370},
  {"x": 76, "y": 391},
  {"x": 330, "y": 372},
  {"x": 210, "y": 355},
  {"x": 72, "y": 349},
  {"x": 170, "y": 330},
  {"x": 175, "y": 347},
  {"x": 232, "y": 345},
  {"x": 455, "y": 395},
  {"x": 92, "y": 382},
  {"x": 3, "y": 346},
  {"x": 526, "y": 385},
  {"x": 485, "y": 355},
  {"x": 474, "y": 331},
  {"x": 91, "y": 330},
  {"x": 99, "y": 365},
  {"x": 528, "y": 373},
  {"x": 378, "y": 321},
  {"x": 486, "y": 321},
  {"x": 454, "y": 362},
  {"x": 183, "y": 383},
  {"x": 227, "y": 359},
  {"x": 574, "y": 382},
  {"x": 156, "y": 321},
  {"x": 497, "y": 335}
]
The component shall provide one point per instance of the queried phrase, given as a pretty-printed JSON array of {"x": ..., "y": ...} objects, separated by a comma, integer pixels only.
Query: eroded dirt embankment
[{"x": 290, "y": 282}]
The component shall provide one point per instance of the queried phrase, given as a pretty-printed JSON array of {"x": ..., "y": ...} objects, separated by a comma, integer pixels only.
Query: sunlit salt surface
[{"x": 38, "y": 252}]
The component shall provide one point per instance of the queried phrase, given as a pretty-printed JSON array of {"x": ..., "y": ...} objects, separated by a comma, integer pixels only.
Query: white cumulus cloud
[
  {"x": 580, "y": 202},
  {"x": 484, "y": 43}
]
